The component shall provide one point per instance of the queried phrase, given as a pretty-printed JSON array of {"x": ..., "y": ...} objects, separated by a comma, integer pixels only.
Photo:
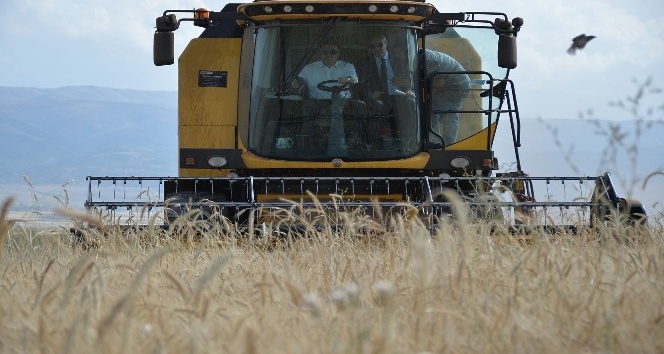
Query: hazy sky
[{"x": 55, "y": 43}]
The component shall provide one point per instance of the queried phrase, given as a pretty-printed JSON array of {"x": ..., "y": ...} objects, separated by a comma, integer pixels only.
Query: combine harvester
[{"x": 250, "y": 145}]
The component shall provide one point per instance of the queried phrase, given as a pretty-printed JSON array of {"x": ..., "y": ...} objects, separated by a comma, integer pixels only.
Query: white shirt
[{"x": 317, "y": 72}]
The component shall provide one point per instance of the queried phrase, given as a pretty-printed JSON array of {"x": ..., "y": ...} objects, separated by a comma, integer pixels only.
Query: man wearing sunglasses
[
  {"x": 381, "y": 74},
  {"x": 326, "y": 69},
  {"x": 327, "y": 82}
]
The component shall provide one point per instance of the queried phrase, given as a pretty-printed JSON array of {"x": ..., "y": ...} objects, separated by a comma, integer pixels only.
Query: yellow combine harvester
[{"x": 255, "y": 133}]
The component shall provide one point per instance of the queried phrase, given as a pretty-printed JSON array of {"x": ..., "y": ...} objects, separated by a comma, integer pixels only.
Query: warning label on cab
[{"x": 207, "y": 78}]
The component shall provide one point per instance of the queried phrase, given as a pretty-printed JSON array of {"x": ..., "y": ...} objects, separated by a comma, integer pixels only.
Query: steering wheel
[{"x": 323, "y": 85}]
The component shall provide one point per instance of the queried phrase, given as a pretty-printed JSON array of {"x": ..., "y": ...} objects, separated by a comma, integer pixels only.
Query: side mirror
[
  {"x": 507, "y": 51},
  {"x": 507, "y": 41},
  {"x": 164, "y": 48}
]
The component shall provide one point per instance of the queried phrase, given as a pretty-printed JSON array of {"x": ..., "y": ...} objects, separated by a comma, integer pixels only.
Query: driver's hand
[{"x": 345, "y": 80}]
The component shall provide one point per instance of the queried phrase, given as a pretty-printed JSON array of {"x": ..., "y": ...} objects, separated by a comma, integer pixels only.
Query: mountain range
[{"x": 54, "y": 138}]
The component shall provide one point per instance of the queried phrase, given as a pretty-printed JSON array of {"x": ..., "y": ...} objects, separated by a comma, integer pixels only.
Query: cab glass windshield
[{"x": 321, "y": 91}]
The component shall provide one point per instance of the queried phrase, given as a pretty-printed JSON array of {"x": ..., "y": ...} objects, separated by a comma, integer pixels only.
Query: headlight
[
  {"x": 217, "y": 161},
  {"x": 460, "y": 162}
]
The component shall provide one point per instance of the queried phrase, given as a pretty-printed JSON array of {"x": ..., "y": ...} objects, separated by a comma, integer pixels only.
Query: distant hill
[
  {"x": 53, "y": 136},
  {"x": 57, "y": 137},
  {"x": 548, "y": 144},
  {"x": 68, "y": 133}
]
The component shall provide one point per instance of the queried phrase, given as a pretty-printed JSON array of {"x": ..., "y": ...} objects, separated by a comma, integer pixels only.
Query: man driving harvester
[{"x": 327, "y": 82}]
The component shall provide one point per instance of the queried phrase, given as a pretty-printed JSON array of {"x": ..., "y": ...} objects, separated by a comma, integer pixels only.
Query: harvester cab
[{"x": 259, "y": 127}]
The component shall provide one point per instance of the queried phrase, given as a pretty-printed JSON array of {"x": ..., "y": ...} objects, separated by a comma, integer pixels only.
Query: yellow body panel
[
  {"x": 208, "y": 115},
  {"x": 200, "y": 137},
  {"x": 475, "y": 142},
  {"x": 418, "y": 161},
  {"x": 206, "y": 136},
  {"x": 202, "y": 173},
  {"x": 209, "y": 105}
]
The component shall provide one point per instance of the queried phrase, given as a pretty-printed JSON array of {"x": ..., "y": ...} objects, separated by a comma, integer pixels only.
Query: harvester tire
[{"x": 635, "y": 212}]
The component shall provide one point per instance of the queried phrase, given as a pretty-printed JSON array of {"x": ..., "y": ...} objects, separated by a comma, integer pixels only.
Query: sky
[{"x": 56, "y": 43}]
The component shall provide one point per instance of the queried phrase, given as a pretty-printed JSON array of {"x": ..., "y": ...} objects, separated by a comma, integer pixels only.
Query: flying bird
[{"x": 579, "y": 42}]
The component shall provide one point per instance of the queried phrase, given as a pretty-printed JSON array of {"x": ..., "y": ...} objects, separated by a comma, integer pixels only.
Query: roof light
[
  {"x": 309, "y": 8},
  {"x": 201, "y": 17},
  {"x": 460, "y": 162},
  {"x": 201, "y": 13},
  {"x": 373, "y": 8}
]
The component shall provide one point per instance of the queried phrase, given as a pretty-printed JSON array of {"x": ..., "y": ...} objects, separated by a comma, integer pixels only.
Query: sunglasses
[
  {"x": 329, "y": 52},
  {"x": 377, "y": 45}
]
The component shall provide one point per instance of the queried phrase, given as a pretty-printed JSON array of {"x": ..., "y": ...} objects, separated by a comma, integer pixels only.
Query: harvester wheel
[
  {"x": 634, "y": 212},
  {"x": 202, "y": 207},
  {"x": 475, "y": 207}
]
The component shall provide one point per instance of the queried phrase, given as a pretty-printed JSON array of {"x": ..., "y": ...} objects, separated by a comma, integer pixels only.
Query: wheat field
[{"x": 399, "y": 289}]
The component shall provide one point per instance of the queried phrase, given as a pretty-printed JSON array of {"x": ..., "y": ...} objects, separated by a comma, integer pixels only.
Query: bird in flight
[{"x": 579, "y": 42}]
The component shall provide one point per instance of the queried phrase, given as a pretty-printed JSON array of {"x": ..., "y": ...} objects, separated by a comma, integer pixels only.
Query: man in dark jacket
[{"x": 379, "y": 73}]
